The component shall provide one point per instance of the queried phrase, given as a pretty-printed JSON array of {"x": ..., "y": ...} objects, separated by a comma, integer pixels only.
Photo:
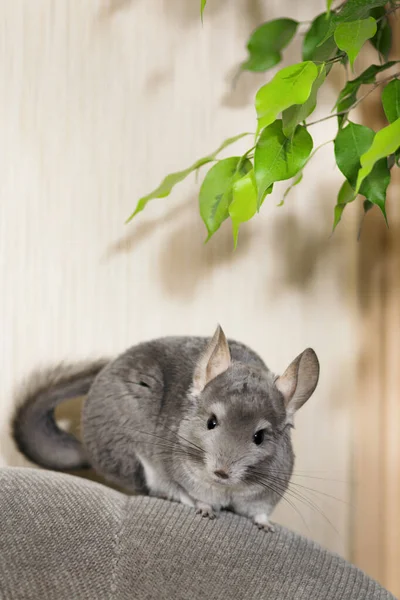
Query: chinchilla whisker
[
  {"x": 172, "y": 447},
  {"x": 283, "y": 486},
  {"x": 165, "y": 451},
  {"x": 178, "y": 435},
  {"x": 272, "y": 488},
  {"x": 301, "y": 474},
  {"x": 186, "y": 440},
  {"x": 295, "y": 494},
  {"x": 173, "y": 444},
  {"x": 309, "y": 489},
  {"x": 321, "y": 493},
  {"x": 191, "y": 444},
  {"x": 188, "y": 448}
]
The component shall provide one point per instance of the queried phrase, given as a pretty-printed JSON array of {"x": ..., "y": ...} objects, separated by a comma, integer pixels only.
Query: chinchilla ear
[
  {"x": 298, "y": 382},
  {"x": 215, "y": 359}
]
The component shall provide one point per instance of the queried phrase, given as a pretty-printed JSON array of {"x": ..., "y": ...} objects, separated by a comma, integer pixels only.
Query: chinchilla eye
[
  {"x": 258, "y": 437},
  {"x": 212, "y": 422}
]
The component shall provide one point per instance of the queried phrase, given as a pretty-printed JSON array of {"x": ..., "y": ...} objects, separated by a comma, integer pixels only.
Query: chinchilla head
[{"x": 240, "y": 415}]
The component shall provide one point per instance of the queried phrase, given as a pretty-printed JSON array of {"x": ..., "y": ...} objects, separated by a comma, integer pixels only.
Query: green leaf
[
  {"x": 382, "y": 40},
  {"x": 291, "y": 85},
  {"x": 375, "y": 186},
  {"x": 165, "y": 187},
  {"x": 244, "y": 203},
  {"x": 357, "y": 9},
  {"x": 202, "y": 7},
  {"x": 216, "y": 191},
  {"x": 311, "y": 48},
  {"x": 352, "y": 10},
  {"x": 350, "y": 144},
  {"x": 298, "y": 113},
  {"x": 277, "y": 158},
  {"x": 296, "y": 181},
  {"x": 346, "y": 194},
  {"x": 367, "y": 205},
  {"x": 391, "y": 161},
  {"x": 348, "y": 95},
  {"x": 391, "y": 100},
  {"x": 350, "y": 37},
  {"x": 386, "y": 142},
  {"x": 267, "y": 42}
]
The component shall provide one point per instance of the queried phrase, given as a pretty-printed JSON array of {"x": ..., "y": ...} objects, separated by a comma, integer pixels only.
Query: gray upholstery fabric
[{"x": 62, "y": 537}]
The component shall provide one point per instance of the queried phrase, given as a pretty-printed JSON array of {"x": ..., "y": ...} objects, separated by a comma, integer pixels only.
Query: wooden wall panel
[{"x": 376, "y": 422}]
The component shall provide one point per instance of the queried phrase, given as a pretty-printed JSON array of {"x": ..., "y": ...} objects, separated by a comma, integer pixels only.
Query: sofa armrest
[{"x": 62, "y": 537}]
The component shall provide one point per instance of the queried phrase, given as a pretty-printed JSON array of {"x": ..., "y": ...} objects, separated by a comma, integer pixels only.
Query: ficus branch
[
  {"x": 388, "y": 12},
  {"x": 331, "y": 61},
  {"x": 345, "y": 112}
]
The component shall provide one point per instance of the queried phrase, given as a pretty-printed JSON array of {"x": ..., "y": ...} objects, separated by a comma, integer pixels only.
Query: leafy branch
[
  {"x": 236, "y": 187},
  {"x": 359, "y": 100}
]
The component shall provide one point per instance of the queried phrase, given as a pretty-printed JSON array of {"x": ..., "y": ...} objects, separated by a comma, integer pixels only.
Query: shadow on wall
[
  {"x": 112, "y": 7},
  {"x": 182, "y": 10},
  {"x": 296, "y": 248},
  {"x": 181, "y": 272},
  {"x": 239, "y": 93},
  {"x": 301, "y": 250},
  {"x": 185, "y": 260},
  {"x": 187, "y": 14},
  {"x": 139, "y": 230}
]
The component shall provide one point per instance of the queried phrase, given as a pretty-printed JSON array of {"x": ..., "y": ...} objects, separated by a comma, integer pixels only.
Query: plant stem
[
  {"x": 388, "y": 12},
  {"x": 396, "y": 7},
  {"x": 331, "y": 60},
  {"x": 339, "y": 6},
  {"x": 243, "y": 158},
  {"x": 317, "y": 148},
  {"x": 345, "y": 112}
]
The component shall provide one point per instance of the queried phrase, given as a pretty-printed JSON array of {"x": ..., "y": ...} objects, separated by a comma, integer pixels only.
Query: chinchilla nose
[{"x": 221, "y": 473}]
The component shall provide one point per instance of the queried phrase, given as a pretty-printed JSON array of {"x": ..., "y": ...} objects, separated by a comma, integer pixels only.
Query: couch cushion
[{"x": 62, "y": 537}]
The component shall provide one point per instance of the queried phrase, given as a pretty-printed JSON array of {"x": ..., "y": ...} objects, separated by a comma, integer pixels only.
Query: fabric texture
[{"x": 65, "y": 538}]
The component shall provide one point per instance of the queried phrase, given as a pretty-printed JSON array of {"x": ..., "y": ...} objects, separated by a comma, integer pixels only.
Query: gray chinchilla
[{"x": 199, "y": 421}]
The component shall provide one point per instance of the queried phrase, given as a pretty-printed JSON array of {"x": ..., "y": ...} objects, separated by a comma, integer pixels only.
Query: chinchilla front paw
[
  {"x": 263, "y": 523},
  {"x": 205, "y": 510}
]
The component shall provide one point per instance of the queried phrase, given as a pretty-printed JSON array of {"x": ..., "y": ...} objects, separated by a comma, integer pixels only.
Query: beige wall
[{"x": 98, "y": 102}]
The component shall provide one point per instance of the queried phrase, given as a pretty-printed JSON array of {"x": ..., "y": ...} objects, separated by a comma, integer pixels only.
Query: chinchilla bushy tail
[{"x": 34, "y": 428}]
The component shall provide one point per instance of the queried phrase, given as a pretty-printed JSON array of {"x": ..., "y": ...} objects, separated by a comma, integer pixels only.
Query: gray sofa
[{"x": 65, "y": 538}]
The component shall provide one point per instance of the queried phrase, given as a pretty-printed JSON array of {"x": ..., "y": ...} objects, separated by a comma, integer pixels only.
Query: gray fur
[
  {"x": 144, "y": 421},
  {"x": 34, "y": 429}
]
